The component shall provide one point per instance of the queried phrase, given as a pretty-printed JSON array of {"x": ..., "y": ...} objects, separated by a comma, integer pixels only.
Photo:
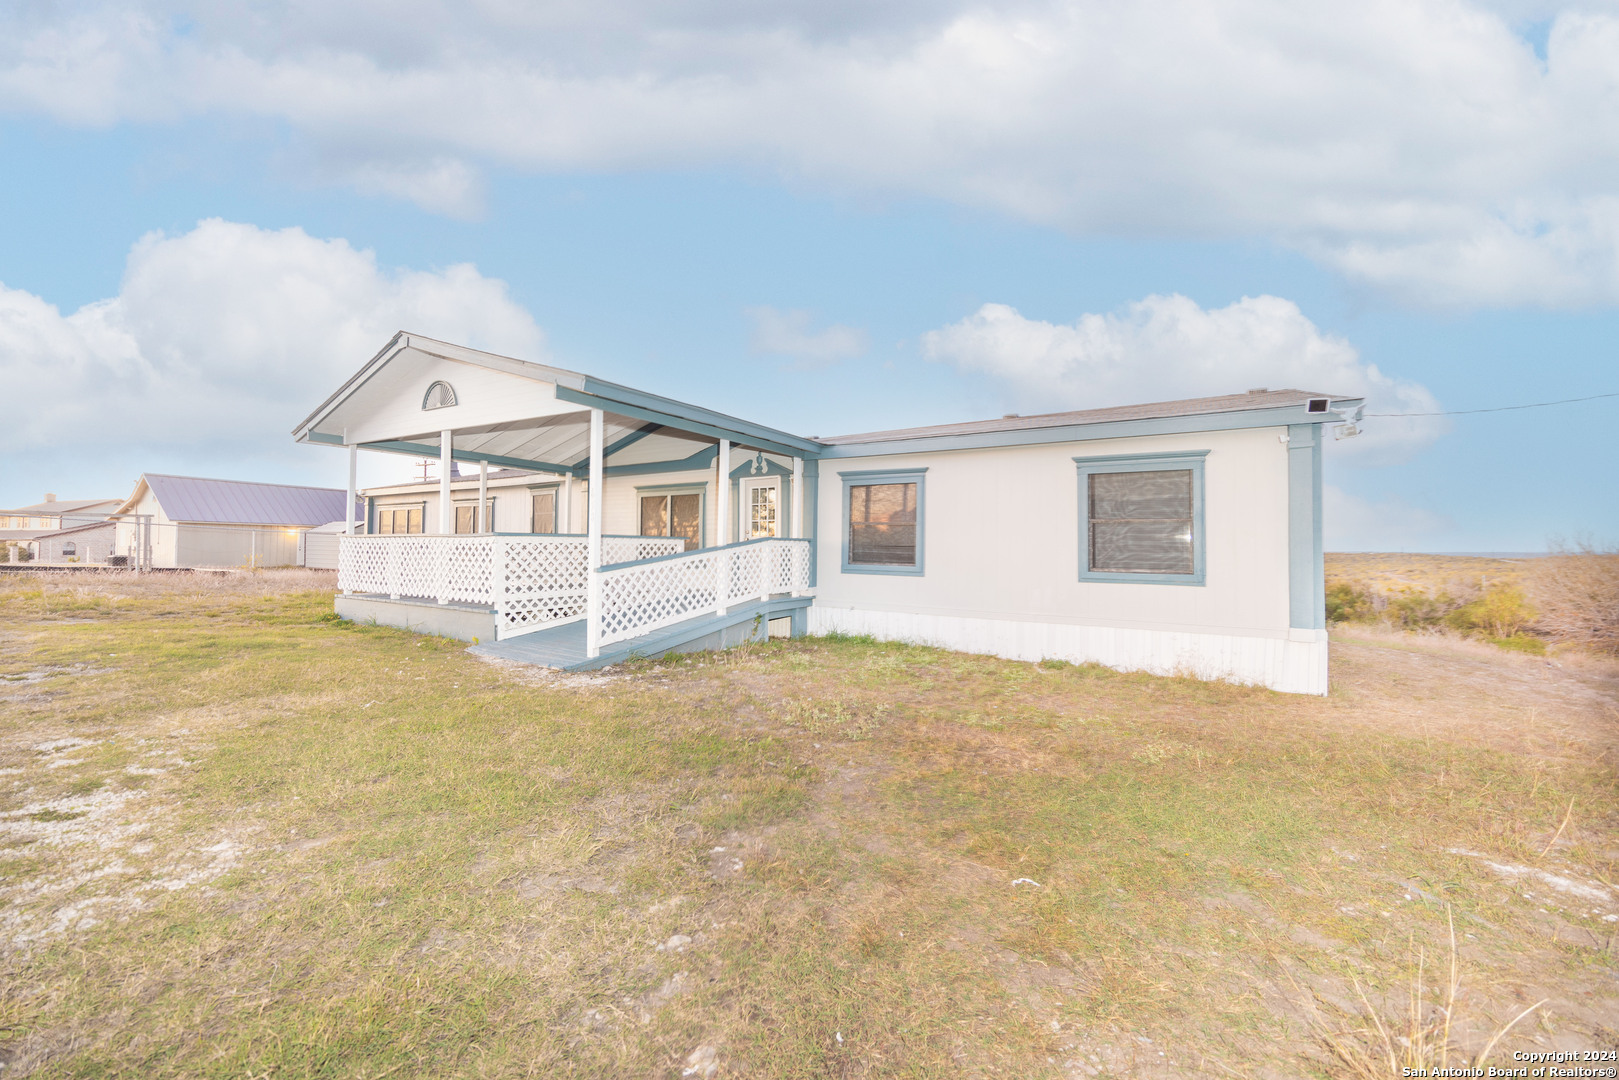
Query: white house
[{"x": 1174, "y": 537}]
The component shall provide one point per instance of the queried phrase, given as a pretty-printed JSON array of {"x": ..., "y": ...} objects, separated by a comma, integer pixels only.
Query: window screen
[
  {"x": 685, "y": 518},
  {"x": 1141, "y": 522},
  {"x": 882, "y": 524},
  {"x": 673, "y": 515},
  {"x": 466, "y": 517},
  {"x": 655, "y": 515},
  {"x": 545, "y": 512}
]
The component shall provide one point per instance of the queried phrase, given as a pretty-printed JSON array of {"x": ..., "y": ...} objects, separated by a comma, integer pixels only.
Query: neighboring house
[
  {"x": 31, "y": 528},
  {"x": 56, "y": 513},
  {"x": 187, "y": 521},
  {"x": 89, "y": 543},
  {"x": 1178, "y": 537}
]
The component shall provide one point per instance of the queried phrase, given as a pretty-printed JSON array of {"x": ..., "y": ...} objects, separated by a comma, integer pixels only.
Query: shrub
[
  {"x": 1350, "y": 601},
  {"x": 1577, "y": 592},
  {"x": 1502, "y": 612},
  {"x": 1413, "y": 609}
]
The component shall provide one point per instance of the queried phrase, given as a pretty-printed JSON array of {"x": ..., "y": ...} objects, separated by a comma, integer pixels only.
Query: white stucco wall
[{"x": 1001, "y": 536}]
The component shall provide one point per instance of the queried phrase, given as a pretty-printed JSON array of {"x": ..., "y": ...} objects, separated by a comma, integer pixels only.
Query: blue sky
[{"x": 196, "y": 247}]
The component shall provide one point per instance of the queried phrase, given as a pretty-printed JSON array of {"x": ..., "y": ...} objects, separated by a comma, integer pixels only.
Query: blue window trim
[
  {"x": 1169, "y": 461},
  {"x": 863, "y": 477}
]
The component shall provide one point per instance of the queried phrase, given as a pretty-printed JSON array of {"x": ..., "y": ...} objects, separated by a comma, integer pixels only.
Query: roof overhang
[
  {"x": 540, "y": 424},
  {"x": 1230, "y": 420}
]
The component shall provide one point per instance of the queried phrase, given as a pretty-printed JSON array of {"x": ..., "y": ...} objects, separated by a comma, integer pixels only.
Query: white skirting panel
[{"x": 1293, "y": 667}]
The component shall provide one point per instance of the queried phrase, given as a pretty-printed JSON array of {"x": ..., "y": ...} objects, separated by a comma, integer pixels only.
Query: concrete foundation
[{"x": 464, "y": 622}]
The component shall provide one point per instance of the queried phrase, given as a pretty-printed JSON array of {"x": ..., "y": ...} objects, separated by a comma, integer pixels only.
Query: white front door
[{"x": 761, "y": 507}]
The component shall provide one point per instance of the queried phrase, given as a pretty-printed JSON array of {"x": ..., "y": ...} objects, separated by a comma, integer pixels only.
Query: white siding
[
  {"x": 483, "y": 396},
  {"x": 1001, "y": 536}
]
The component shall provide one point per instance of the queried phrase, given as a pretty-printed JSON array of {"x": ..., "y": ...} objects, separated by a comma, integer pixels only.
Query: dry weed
[{"x": 1577, "y": 591}]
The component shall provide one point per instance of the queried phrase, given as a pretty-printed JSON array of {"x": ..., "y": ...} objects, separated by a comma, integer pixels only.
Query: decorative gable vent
[{"x": 441, "y": 395}]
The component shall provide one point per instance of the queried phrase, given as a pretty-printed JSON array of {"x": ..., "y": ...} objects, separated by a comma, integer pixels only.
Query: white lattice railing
[
  {"x": 531, "y": 581},
  {"x": 659, "y": 592}
]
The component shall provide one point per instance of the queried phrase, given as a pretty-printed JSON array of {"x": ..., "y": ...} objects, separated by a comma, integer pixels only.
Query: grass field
[{"x": 239, "y": 839}]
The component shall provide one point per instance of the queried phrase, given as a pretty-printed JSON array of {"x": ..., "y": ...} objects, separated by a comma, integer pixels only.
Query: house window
[
  {"x": 673, "y": 513},
  {"x": 883, "y": 522},
  {"x": 1141, "y": 518},
  {"x": 441, "y": 395},
  {"x": 466, "y": 517},
  {"x": 69, "y": 550},
  {"x": 400, "y": 519},
  {"x": 545, "y": 511}
]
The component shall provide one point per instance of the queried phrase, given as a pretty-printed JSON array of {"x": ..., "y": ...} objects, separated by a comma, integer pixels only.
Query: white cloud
[
  {"x": 1167, "y": 347},
  {"x": 1353, "y": 523},
  {"x": 788, "y": 333},
  {"x": 1418, "y": 145},
  {"x": 225, "y": 338},
  {"x": 441, "y": 186}
]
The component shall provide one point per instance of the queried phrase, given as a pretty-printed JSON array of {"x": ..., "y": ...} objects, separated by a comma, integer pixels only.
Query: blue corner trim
[
  {"x": 864, "y": 477},
  {"x": 812, "y": 496},
  {"x": 1306, "y": 571},
  {"x": 1157, "y": 462}
]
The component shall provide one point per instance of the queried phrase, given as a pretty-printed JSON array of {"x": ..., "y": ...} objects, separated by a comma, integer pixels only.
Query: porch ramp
[
  {"x": 533, "y": 599},
  {"x": 563, "y": 647}
]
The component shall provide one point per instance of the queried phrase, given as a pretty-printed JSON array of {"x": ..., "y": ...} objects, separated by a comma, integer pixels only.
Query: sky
[{"x": 828, "y": 217}]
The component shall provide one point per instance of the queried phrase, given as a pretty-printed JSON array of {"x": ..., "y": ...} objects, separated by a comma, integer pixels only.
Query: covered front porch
[{"x": 650, "y": 518}]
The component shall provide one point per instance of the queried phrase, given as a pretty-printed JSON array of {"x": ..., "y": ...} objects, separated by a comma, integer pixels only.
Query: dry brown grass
[
  {"x": 1577, "y": 592},
  {"x": 318, "y": 850}
]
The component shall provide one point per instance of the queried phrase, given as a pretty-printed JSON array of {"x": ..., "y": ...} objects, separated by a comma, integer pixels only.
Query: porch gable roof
[{"x": 548, "y": 431}]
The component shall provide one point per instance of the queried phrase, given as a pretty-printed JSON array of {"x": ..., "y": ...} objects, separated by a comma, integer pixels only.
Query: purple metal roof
[{"x": 238, "y": 502}]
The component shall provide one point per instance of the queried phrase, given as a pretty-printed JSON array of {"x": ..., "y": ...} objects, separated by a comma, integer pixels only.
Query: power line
[{"x": 1503, "y": 408}]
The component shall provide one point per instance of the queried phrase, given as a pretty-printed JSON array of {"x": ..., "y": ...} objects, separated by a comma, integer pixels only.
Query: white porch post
[
  {"x": 354, "y": 475},
  {"x": 593, "y": 542},
  {"x": 446, "y": 512},
  {"x": 348, "y": 504},
  {"x": 798, "y": 498},
  {"x": 722, "y": 525},
  {"x": 565, "y": 525},
  {"x": 484, "y": 524}
]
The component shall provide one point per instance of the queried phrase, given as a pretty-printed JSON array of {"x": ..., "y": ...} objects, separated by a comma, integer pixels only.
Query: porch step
[{"x": 564, "y": 646}]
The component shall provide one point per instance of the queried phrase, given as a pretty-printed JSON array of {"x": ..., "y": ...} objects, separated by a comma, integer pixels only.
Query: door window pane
[
  {"x": 685, "y": 515},
  {"x": 882, "y": 524},
  {"x": 762, "y": 511},
  {"x": 1141, "y": 522}
]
